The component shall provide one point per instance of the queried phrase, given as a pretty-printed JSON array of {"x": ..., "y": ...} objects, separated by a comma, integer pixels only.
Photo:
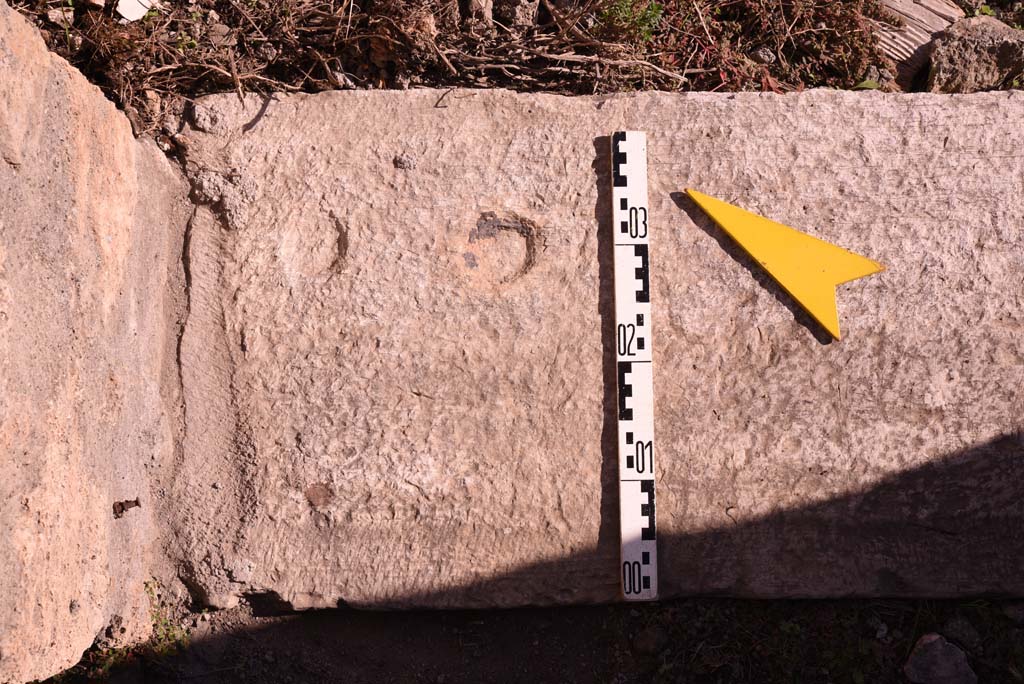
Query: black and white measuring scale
[{"x": 639, "y": 550}]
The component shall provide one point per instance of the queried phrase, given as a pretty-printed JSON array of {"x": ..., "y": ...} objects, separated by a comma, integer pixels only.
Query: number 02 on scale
[{"x": 633, "y": 362}]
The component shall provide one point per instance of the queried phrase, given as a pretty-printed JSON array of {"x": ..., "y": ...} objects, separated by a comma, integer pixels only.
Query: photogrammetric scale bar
[{"x": 633, "y": 356}]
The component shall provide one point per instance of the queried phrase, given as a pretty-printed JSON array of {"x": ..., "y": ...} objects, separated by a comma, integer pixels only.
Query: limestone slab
[
  {"x": 88, "y": 223},
  {"x": 980, "y": 53},
  {"x": 391, "y": 403}
]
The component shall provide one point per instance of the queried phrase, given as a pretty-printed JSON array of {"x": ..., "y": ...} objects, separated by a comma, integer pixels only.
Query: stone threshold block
[
  {"x": 370, "y": 363},
  {"x": 91, "y": 222},
  {"x": 398, "y": 369}
]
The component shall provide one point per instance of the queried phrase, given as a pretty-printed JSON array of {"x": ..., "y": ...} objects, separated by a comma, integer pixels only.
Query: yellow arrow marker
[{"x": 808, "y": 269}]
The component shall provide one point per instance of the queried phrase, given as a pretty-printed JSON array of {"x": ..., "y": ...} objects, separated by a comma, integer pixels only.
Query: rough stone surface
[
  {"x": 981, "y": 53},
  {"x": 936, "y": 661},
  {"x": 480, "y": 12},
  {"x": 517, "y": 12},
  {"x": 86, "y": 240},
  {"x": 398, "y": 381}
]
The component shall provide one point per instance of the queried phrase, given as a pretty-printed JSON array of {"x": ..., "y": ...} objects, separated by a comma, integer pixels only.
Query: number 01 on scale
[{"x": 639, "y": 558}]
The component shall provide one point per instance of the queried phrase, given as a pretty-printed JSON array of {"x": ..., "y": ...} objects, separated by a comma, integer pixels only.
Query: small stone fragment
[
  {"x": 267, "y": 52},
  {"x": 152, "y": 102},
  {"x": 133, "y": 10},
  {"x": 518, "y": 13},
  {"x": 63, "y": 16},
  {"x": 480, "y": 13},
  {"x": 980, "y": 53},
  {"x": 936, "y": 661},
  {"x": 241, "y": 571},
  {"x": 763, "y": 55},
  {"x": 222, "y": 600},
  {"x": 220, "y": 35},
  {"x": 881, "y": 629}
]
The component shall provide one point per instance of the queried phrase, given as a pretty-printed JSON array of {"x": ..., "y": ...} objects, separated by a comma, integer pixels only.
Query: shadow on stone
[
  {"x": 609, "y": 533},
  {"x": 968, "y": 508},
  {"x": 729, "y": 246}
]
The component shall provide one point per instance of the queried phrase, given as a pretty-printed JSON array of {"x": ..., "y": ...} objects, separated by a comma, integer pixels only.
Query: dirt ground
[
  {"x": 187, "y": 48},
  {"x": 695, "y": 640}
]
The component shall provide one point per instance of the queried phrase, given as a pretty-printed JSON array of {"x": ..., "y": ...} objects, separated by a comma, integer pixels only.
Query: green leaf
[{"x": 868, "y": 84}]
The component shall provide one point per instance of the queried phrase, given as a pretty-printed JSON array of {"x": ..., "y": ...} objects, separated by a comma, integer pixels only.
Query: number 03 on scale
[{"x": 633, "y": 362}]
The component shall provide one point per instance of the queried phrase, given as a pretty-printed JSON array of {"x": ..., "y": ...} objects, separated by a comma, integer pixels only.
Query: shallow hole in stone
[{"x": 502, "y": 246}]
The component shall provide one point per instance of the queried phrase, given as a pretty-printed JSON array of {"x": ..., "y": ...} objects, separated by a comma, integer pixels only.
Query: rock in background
[
  {"x": 398, "y": 378},
  {"x": 976, "y": 54},
  {"x": 517, "y": 12},
  {"x": 87, "y": 237},
  {"x": 936, "y": 661},
  {"x": 908, "y": 42}
]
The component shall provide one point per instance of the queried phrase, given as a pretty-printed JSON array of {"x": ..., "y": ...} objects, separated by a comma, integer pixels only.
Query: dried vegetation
[{"x": 184, "y": 49}]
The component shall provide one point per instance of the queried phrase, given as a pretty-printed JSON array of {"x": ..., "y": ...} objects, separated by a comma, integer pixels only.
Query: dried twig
[{"x": 596, "y": 46}]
